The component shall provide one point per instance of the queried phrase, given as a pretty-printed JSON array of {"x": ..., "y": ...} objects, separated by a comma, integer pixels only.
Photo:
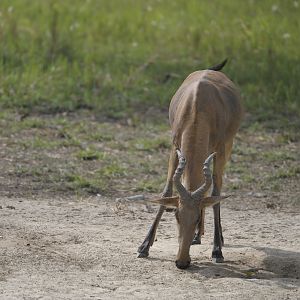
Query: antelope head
[{"x": 188, "y": 206}]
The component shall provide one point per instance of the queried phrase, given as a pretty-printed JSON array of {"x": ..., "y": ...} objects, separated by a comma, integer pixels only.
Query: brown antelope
[{"x": 205, "y": 114}]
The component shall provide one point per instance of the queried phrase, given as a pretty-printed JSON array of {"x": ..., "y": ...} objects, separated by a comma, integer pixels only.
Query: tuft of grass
[
  {"x": 113, "y": 170},
  {"x": 273, "y": 186},
  {"x": 39, "y": 143},
  {"x": 97, "y": 181},
  {"x": 90, "y": 154},
  {"x": 246, "y": 151},
  {"x": 100, "y": 137},
  {"x": 288, "y": 137},
  {"x": 152, "y": 144},
  {"x": 248, "y": 178},
  {"x": 79, "y": 183},
  {"x": 236, "y": 186},
  {"x": 32, "y": 123},
  {"x": 150, "y": 185}
]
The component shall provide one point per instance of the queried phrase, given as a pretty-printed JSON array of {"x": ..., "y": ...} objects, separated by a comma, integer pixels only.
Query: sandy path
[{"x": 86, "y": 249}]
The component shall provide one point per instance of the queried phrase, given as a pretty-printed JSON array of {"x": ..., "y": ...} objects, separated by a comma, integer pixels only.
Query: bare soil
[
  {"x": 86, "y": 249},
  {"x": 67, "y": 242}
]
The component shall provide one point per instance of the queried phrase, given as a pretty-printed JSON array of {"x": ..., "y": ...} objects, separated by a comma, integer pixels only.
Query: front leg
[
  {"x": 217, "y": 255},
  {"x": 143, "y": 250},
  {"x": 200, "y": 229}
]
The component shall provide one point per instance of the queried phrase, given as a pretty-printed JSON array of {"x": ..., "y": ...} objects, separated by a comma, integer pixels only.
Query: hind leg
[{"x": 223, "y": 154}]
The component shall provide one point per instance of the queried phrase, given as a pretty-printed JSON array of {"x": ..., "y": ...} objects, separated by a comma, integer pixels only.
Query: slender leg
[
  {"x": 223, "y": 154},
  {"x": 219, "y": 163},
  {"x": 217, "y": 255},
  {"x": 143, "y": 250},
  {"x": 200, "y": 229}
]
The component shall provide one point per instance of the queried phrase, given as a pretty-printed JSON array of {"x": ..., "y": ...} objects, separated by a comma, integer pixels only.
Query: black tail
[{"x": 219, "y": 67}]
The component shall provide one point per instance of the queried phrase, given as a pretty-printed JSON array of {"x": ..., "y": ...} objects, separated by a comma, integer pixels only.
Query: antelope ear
[
  {"x": 167, "y": 201},
  {"x": 209, "y": 201}
]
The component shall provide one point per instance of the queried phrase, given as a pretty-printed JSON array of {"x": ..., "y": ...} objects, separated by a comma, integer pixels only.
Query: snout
[{"x": 182, "y": 264}]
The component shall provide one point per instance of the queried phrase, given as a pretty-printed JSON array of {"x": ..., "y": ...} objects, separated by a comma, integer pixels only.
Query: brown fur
[{"x": 205, "y": 114}]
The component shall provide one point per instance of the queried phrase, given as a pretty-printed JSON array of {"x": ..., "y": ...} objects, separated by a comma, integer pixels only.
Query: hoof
[
  {"x": 217, "y": 256},
  {"x": 217, "y": 260},
  {"x": 196, "y": 240},
  {"x": 143, "y": 251},
  {"x": 182, "y": 265},
  {"x": 143, "y": 254}
]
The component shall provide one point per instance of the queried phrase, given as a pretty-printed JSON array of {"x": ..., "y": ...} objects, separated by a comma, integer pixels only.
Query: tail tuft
[{"x": 219, "y": 67}]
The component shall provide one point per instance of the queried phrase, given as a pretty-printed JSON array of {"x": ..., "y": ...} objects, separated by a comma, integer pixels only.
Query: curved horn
[
  {"x": 184, "y": 194},
  {"x": 207, "y": 176}
]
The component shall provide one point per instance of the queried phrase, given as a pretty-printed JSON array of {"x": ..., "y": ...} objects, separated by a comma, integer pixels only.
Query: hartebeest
[{"x": 205, "y": 114}]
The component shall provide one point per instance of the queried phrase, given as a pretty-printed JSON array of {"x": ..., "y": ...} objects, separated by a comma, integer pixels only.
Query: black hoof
[
  {"x": 143, "y": 251},
  {"x": 143, "y": 254},
  {"x": 182, "y": 265},
  {"x": 196, "y": 240},
  {"x": 217, "y": 256},
  {"x": 217, "y": 260}
]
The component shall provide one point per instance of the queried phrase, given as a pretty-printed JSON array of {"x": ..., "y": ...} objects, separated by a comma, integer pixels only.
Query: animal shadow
[
  {"x": 282, "y": 263},
  {"x": 276, "y": 263}
]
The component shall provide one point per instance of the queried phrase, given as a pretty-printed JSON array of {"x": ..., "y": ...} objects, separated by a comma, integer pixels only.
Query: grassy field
[
  {"x": 122, "y": 57},
  {"x": 84, "y": 62}
]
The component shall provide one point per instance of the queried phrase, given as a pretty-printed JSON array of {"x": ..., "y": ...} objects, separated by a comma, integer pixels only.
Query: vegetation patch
[
  {"x": 60, "y": 158},
  {"x": 62, "y": 56},
  {"x": 81, "y": 184},
  {"x": 90, "y": 154},
  {"x": 152, "y": 144}
]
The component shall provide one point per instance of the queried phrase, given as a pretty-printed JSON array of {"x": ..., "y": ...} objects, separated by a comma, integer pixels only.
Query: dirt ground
[
  {"x": 63, "y": 238},
  {"x": 86, "y": 249}
]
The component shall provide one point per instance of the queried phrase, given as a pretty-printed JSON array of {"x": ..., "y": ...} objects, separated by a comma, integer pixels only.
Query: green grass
[
  {"x": 79, "y": 183},
  {"x": 91, "y": 154},
  {"x": 112, "y": 170},
  {"x": 121, "y": 59},
  {"x": 273, "y": 156},
  {"x": 286, "y": 173},
  {"x": 95, "y": 182},
  {"x": 150, "y": 185},
  {"x": 40, "y": 143},
  {"x": 152, "y": 145}
]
